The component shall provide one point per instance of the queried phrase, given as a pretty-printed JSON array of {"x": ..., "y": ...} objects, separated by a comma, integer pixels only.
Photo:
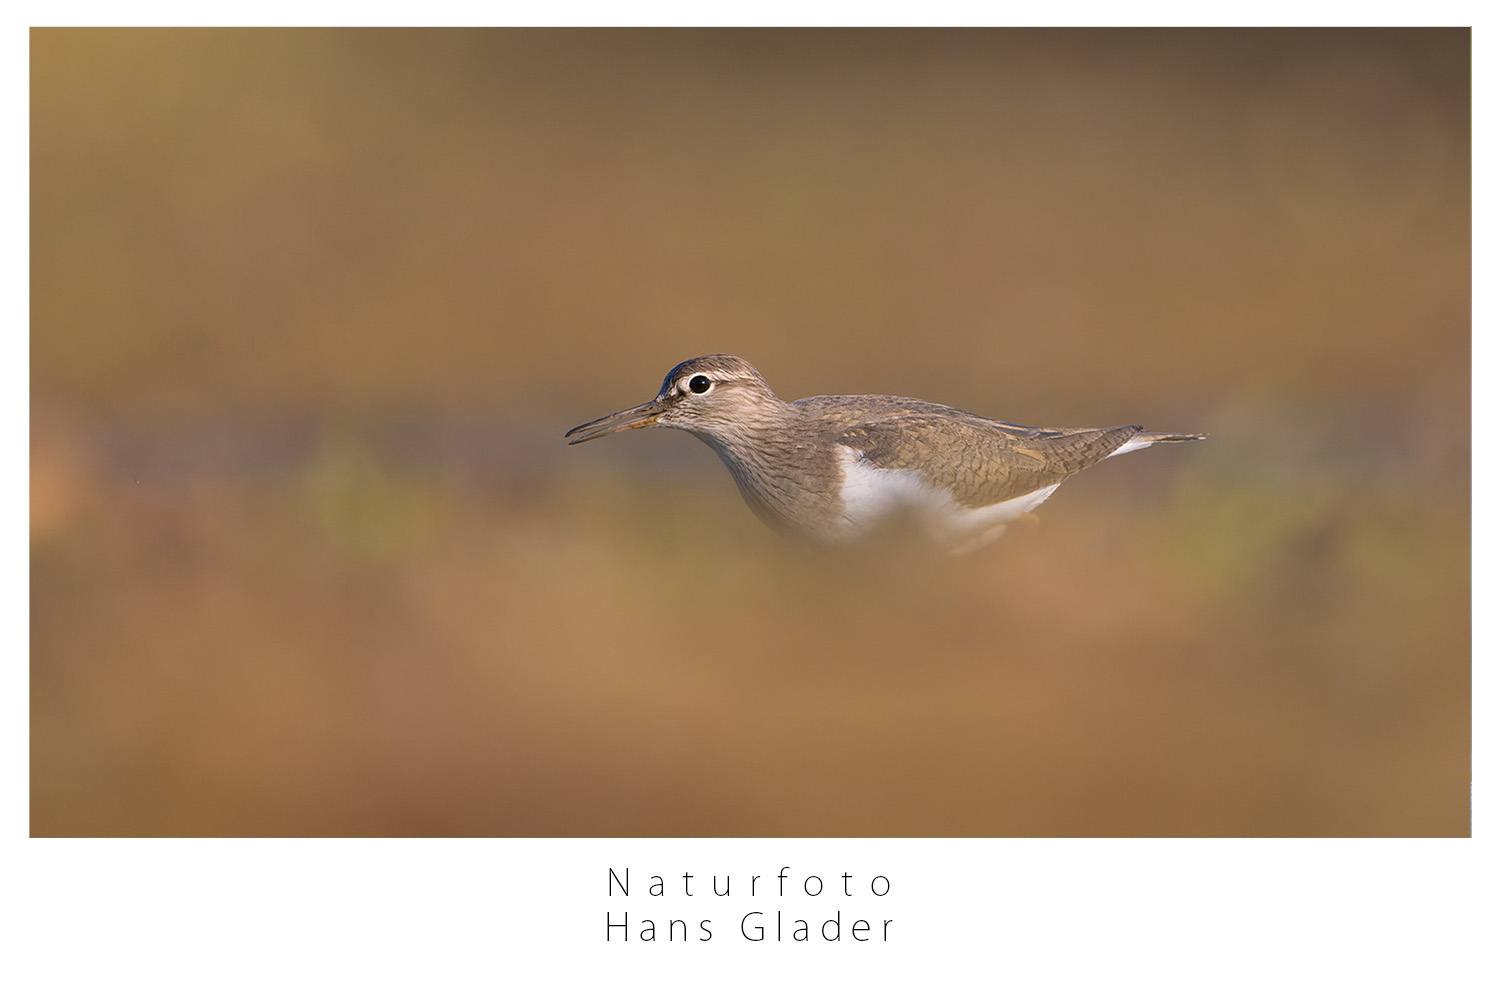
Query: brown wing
[{"x": 983, "y": 461}]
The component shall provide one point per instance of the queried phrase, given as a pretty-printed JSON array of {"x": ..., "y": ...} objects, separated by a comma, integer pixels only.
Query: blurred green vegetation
[{"x": 311, "y": 309}]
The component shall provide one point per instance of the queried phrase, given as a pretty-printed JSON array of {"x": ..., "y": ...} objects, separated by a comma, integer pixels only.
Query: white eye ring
[{"x": 697, "y": 384}]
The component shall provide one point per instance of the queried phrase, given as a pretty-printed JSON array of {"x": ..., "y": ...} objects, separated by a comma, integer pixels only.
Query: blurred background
[{"x": 311, "y": 310}]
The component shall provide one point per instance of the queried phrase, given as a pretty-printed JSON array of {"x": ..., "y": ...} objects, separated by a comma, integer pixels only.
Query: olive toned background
[{"x": 311, "y": 310}]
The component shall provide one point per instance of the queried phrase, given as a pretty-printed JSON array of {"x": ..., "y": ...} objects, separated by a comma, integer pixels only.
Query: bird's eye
[{"x": 699, "y": 383}]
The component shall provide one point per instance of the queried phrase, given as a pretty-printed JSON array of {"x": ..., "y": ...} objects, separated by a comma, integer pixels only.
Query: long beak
[{"x": 642, "y": 416}]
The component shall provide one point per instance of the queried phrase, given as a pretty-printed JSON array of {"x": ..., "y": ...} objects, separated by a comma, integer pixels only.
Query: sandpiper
[{"x": 833, "y": 467}]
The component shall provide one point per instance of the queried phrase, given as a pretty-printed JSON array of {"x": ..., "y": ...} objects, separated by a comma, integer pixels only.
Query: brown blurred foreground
[
  {"x": 347, "y": 648},
  {"x": 311, "y": 311}
]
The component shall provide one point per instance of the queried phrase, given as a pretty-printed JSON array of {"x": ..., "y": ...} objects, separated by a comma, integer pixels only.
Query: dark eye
[{"x": 699, "y": 383}]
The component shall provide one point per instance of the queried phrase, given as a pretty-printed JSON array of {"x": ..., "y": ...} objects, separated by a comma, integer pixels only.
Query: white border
[{"x": 523, "y": 918}]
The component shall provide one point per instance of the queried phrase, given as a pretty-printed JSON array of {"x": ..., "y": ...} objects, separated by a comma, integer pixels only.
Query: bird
[{"x": 833, "y": 468}]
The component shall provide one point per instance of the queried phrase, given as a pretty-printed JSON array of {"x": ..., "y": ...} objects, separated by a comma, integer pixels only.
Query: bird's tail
[
  {"x": 1152, "y": 437},
  {"x": 1142, "y": 439}
]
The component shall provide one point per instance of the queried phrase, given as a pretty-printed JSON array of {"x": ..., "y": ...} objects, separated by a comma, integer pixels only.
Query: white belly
[{"x": 871, "y": 495}]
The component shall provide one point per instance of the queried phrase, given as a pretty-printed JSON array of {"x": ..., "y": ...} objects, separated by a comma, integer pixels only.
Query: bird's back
[{"x": 981, "y": 460}]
